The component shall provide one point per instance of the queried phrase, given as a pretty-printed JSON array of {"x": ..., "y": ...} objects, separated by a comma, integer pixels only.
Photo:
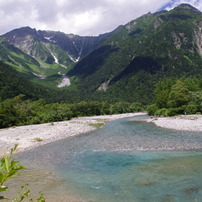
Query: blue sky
[{"x": 83, "y": 17}]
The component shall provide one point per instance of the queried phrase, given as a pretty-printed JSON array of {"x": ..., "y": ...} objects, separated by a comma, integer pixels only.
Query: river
[{"x": 126, "y": 160}]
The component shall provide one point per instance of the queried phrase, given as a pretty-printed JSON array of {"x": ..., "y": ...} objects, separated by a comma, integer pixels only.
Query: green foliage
[
  {"x": 174, "y": 97},
  {"x": 162, "y": 91},
  {"x": 178, "y": 95},
  {"x": 161, "y": 112},
  {"x": 141, "y": 53},
  {"x": 151, "y": 109},
  {"x": 8, "y": 169},
  {"x": 18, "y": 111},
  {"x": 38, "y": 139},
  {"x": 13, "y": 84},
  {"x": 196, "y": 97},
  {"x": 191, "y": 108},
  {"x": 120, "y": 107}
]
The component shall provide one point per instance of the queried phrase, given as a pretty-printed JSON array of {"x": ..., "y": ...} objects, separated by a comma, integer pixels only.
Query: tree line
[{"x": 20, "y": 111}]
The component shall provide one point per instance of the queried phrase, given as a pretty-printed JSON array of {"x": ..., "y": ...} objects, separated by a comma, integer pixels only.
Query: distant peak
[
  {"x": 188, "y": 7},
  {"x": 185, "y": 6},
  {"x": 27, "y": 28}
]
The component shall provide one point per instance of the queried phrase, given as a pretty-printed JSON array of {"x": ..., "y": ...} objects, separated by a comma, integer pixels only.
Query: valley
[
  {"x": 113, "y": 117},
  {"x": 125, "y": 65}
]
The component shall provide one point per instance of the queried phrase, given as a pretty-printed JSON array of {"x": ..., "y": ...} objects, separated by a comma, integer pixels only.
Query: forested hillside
[
  {"x": 12, "y": 83},
  {"x": 129, "y": 64},
  {"x": 155, "y": 59}
]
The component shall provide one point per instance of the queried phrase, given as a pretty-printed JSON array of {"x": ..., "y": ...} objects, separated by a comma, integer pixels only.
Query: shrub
[
  {"x": 151, "y": 109},
  {"x": 161, "y": 112},
  {"x": 191, "y": 108}
]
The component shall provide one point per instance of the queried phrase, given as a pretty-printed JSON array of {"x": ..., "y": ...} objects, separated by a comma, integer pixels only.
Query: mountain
[
  {"x": 125, "y": 64},
  {"x": 31, "y": 67},
  {"x": 76, "y": 46},
  {"x": 129, "y": 63},
  {"x": 53, "y": 53},
  {"x": 42, "y": 44},
  {"x": 17, "y": 58}
]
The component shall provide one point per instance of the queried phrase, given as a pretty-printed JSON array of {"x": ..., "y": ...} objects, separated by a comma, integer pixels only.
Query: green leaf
[
  {"x": 1, "y": 177},
  {"x": 13, "y": 149},
  {"x": 7, "y": 163},
  {"x": 3, "y": 188}
]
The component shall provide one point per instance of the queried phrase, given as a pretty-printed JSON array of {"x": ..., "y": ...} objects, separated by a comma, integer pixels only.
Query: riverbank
[
  {"x": 31, "y": 136},
  {"x": 182, "y": 122}
]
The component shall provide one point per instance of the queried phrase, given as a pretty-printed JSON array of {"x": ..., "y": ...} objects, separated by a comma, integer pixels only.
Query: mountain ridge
[
  {"x": 167, "y": 43},
  {"x": 55, "y": 52},
  {"x": 72, "y": 44},
  {"x": 125, "y": 64}
]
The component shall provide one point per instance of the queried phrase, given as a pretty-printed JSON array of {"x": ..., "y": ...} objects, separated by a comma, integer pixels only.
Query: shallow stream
[{"x": 126, "y": 160}]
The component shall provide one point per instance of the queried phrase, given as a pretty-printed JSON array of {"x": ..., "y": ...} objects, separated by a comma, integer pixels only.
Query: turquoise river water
[{"x": 127, "y": 160}]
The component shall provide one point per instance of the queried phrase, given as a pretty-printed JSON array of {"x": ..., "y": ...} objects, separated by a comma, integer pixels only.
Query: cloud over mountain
[{"x": 87, "y": 17}]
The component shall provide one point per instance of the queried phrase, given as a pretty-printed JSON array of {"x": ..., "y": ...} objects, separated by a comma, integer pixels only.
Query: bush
[
  {"x": 151, "y": 109},
  {"x": 161, "y": 112},
  {"x": 171, "y": 112},
  {"x": 191, "y": 108}
]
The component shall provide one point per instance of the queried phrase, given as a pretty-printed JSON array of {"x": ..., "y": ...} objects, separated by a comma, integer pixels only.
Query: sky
[{"x": 82, "y": 17}]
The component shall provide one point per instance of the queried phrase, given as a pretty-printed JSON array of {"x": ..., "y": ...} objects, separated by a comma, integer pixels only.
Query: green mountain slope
[
  {"x": 36, "y": 45},
  {"x": 12, "y": 83},
  {"x": 17, "y": 58},
  {"x": 46, "y": 73},
  {"x": 128, "y": 65},
  {"x": 53, "y": 53}
]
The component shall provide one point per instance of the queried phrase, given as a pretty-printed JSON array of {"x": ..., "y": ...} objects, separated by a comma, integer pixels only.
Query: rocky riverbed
[{"x": 31, "y": 136}]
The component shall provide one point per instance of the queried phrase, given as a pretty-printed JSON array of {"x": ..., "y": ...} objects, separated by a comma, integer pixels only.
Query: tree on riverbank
[
  {"x": 20, "y": 111},
  {"x": 174, "y": 97}
]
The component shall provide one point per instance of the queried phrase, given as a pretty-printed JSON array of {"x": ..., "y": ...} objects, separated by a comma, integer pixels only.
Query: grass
[
  {"x": 38, "y": 139},
  {"x": 96, "y": 125}
]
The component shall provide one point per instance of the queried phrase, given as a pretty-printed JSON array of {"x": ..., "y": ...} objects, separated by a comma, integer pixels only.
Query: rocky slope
[
  {"x": 48, "y": 45},
  {"x": 53, "y": 53}
]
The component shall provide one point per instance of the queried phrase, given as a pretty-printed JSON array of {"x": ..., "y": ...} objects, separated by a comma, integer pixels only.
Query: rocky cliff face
[{"x": 198, "y": 37}]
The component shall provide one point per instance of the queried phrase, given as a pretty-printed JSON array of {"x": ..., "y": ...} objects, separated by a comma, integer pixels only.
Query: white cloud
[
  {"x": 89, "y": 17},
  {"x": 195, "y": 3}
]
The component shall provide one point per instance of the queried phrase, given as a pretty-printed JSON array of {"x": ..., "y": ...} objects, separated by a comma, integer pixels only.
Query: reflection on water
[{"x": 109, "y": 164}]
